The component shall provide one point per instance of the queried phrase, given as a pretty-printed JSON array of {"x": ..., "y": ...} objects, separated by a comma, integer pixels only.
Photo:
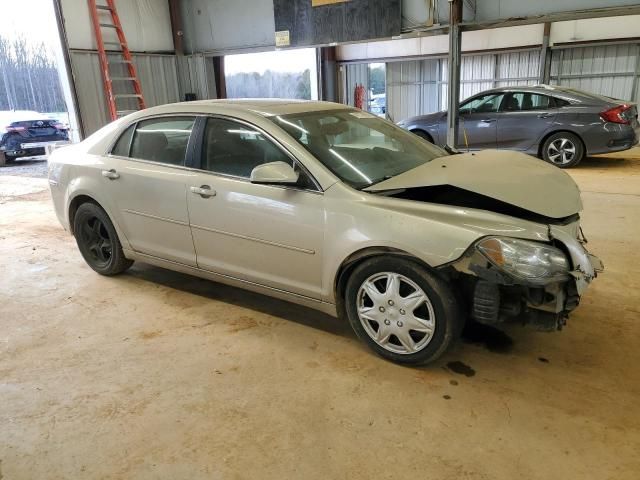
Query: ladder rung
[
  {"x": 120, "y": 61},
  {"x": 128, "y": 95},
  {"x": 125, "y": 112},
  {"x": 108, "y": 25},
  {"x": 112, "y": 43},
  {"x": 124, "y": 79},
  {"x": 103, "y": 7}
]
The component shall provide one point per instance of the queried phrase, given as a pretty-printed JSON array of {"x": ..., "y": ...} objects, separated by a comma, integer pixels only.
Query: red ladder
[{"x": 107, "y": 78}]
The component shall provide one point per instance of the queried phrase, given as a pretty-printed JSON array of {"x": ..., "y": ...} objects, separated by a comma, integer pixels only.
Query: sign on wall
[{"x": 317, "y": 3}]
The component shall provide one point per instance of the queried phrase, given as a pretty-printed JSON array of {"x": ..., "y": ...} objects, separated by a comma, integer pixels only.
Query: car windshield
[{"x": 360, "y": 148}]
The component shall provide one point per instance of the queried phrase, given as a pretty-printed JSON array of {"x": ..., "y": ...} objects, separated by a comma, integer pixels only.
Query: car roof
[
  {"x": 267, "y": 107},
  {"x": 564, "y": 92}
]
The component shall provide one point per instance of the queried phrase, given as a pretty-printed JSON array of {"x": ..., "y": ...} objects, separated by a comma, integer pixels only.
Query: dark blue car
[{"x": 27, "y": 138}]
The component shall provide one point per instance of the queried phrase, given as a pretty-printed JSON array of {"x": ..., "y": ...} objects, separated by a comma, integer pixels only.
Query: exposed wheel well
[
  {"x": 355, "y": 259},
  {"x": 544, "y": 139},
  {"x": 423, "y": 133},
  {"x": 73, "y": 207}
]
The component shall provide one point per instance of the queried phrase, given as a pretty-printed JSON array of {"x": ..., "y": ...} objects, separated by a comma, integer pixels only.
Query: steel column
[
  {"x": 545, "y": 58},
  {"x": 453, "y": 97}
]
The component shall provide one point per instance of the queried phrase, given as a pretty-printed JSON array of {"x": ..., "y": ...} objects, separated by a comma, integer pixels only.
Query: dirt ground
[{"x": 155, "y": 374}]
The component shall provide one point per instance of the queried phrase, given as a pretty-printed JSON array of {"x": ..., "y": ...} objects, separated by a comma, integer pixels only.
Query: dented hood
[{"x": 511, "y": 177}]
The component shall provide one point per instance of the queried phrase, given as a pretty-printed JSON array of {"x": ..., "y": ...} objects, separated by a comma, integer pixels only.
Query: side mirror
[{"x": 274, "y": 172}]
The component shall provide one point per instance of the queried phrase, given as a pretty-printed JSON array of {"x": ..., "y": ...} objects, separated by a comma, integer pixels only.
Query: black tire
[
  {"x": 448, "y": 321},
  {"x": 98, "y": 241},
  {"x": 422, "y": 134},
  {"x": 563, "y": 149}
]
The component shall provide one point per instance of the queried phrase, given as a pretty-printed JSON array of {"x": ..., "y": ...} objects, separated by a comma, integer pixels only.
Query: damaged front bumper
[{"x": 495, "y": 296}]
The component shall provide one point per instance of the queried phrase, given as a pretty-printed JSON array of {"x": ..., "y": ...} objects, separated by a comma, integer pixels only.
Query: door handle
[
  {"x": 204, "y": 191},
  {"x": 488, "y": 120},
  {"x": 110, "y": 174}
]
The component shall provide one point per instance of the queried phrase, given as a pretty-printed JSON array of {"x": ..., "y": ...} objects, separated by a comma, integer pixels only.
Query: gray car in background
[{"x": 559, "y": 124}]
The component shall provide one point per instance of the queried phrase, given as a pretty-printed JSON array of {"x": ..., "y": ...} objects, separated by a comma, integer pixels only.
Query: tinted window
[
  {"x": 162, "y": 139},
  {"x": 232, "y": 148},
  {"x": 483, "y": 104},
  {"x": 561, "y": 102},
  {"x": 523, "y": 101},
  {"x": 121, "y": 147}
]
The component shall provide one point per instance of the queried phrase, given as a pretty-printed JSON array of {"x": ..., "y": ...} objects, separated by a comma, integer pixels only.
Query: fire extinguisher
[{"x": 359, "y": 96}]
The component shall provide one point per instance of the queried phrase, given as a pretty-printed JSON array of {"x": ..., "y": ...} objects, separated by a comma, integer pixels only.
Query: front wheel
[
  {"x": 422, "y": 134},
  {"x": 98, "y": 241},
  {"x": 401, "y": 310},
  {"x": 563, "y": 149}
]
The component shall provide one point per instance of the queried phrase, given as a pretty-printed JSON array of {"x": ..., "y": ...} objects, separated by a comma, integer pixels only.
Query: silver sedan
[
  {"x": 558, "y": 124},
  {"x": 333, "y": 208}
]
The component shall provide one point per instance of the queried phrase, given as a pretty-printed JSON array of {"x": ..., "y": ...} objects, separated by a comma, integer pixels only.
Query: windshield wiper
[
  {"x": 377, "y": 180},
  {"x": 451, "y": 150}
]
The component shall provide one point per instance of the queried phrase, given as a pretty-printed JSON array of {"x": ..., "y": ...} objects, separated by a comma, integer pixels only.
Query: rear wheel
[
  {"x": 401, "y": 310},
  {"x": 563, "y": 149},
  {"x": 98, "y": 241}
]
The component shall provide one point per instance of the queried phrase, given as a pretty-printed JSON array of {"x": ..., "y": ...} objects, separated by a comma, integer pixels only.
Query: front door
[
  {"x": 478, "y": 121},
  {"x": 147, "y": 182},
  {"x": 266, "y": 234},
  {"x": 524, "y": 119}
]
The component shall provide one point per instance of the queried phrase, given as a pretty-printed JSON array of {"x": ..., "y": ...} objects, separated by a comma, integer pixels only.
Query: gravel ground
[{"x": 26, "y": 168}]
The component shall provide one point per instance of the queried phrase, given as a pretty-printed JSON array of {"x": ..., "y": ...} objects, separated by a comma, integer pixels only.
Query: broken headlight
[{"x": 531, "y": 261}]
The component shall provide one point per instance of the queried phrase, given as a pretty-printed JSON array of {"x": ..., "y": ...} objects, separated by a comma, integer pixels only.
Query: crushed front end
[{"x": 539, "y": 283}]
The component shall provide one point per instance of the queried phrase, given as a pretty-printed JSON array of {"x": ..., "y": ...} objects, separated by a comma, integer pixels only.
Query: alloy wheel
[
  {"x": 396, "y": 313},
  {"x": 96, "y": 238},
  {"x": 561, "y": 151}
]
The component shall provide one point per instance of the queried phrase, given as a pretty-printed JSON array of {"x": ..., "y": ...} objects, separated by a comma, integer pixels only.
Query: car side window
[
  {"x": 235, "y": 149},
  {"x": 162, "y": 140},
  {"x": 524, "y": 101},
  {"x": 488, "y": 103},
  {"x": 121, "y": 148}
]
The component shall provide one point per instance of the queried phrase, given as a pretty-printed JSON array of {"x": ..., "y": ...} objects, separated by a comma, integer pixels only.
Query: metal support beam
[
  {"x": 545, "y": 58},
  {"x": 634, "y": 86},
  {"x": 453, "y": 97}
]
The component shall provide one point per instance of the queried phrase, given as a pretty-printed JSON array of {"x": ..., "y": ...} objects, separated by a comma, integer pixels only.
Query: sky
[
  {"x": 34, "y": 19},
  {"x": 296, "y": 60}
]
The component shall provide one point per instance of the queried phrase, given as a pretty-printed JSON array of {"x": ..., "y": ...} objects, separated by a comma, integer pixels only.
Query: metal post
[
  {"x": 545, "y": 63},
  {"x": 453, "y": 98}
]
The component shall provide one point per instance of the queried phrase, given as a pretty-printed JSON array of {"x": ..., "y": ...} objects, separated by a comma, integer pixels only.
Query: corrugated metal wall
[
  {"x": 610, "y": 70},
  {"x": 417, "y": 87},
  {"x": 201, "y": 77},
  {"x": 357, "y": 74},
  {"x": 146, "y": 23},
  {"x": 158, "y": 77}
]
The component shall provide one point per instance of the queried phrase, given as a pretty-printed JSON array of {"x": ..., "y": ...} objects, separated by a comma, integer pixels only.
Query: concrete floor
[{"x": 154, "y": 374}]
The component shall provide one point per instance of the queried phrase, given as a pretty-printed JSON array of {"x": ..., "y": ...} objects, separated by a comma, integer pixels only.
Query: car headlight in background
[{"x": 532, "y": 261}]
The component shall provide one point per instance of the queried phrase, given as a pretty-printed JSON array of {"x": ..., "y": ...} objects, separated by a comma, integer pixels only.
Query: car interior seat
[
  {"x": 512, "y": 103},
  {"x": 151, "y": 145}
]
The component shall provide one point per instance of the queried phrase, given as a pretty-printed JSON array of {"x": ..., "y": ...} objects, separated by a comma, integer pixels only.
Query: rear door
[
  {"x": 478, "y": 120},
  {"x": 524, "y": 118},
  {"x": 146, "y": 179}
]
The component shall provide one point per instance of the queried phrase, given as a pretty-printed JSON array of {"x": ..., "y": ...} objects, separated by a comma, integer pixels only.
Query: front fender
[{"x": 434, "y": 234}]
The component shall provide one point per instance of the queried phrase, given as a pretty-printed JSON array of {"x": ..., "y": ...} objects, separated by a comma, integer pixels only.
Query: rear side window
[
  {"x": 523, "y": 101},
  {"x": 560, "y": 102},
  {"x": 162, "y": 140},
  {"x": 121, "y": 147}
]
